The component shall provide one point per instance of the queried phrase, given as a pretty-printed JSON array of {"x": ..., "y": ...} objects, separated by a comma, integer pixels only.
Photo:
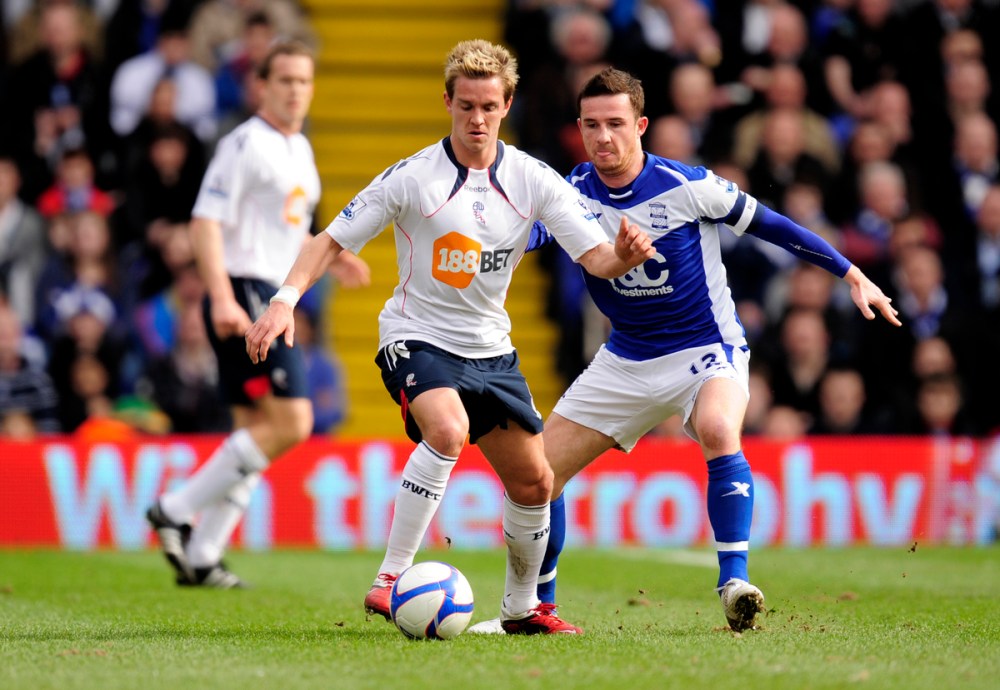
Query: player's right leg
[
  {"x": 423, "y": 381},
  {"x": 276, "y": 425}
]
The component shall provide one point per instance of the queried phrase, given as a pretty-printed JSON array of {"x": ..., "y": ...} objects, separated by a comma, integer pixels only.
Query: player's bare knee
[
  {"x": 446, "y": 436},
  {"x": 717, "y": 433},
  {"x": 531, "y": 489}
]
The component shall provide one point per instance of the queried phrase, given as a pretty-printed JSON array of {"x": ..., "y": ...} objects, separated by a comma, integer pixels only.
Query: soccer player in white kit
[
  {"x": 676, "y": 344},
  {"x": 251, "y": 217},
  {"x": 462, "y": 211}
]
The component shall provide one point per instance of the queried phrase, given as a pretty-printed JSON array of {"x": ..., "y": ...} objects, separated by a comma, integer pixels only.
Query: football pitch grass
[{"x": 838, "y": 618}]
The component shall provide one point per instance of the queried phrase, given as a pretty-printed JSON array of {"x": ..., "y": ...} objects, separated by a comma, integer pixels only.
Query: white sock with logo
[
  {"x": 237, "y": 458},
  {"x": 526, "y": 532},
  {"x": 424, "y": 479},
  {"x": 211, "y": 536}
]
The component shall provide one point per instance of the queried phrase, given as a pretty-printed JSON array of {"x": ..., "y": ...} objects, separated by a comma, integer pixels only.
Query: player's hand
[
  {"x": 279, "y": 318},
  {"x": 229, "y": 319},
  {"x": 867, "y": 294},
  {"x": 350, "y": 270},
  {"x": 632, "y": 245}
]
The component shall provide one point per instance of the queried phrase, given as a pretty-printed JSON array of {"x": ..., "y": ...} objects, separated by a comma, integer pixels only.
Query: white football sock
[
  {"x": 526, "y": 531},
  {"x": 424, "y": 479},
  {"x": 237, "y": 457},
  {"x": 211, "y": 535}
]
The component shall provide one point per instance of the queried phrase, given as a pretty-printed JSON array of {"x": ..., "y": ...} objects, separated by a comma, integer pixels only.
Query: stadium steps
[{"x": 378, "y": 98}]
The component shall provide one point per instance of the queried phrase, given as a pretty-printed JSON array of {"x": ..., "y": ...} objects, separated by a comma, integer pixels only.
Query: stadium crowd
[{"x": 870, "y": 122}]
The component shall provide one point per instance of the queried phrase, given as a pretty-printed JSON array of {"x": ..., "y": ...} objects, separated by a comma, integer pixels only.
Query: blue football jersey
[{"x": 680, "y": 298}]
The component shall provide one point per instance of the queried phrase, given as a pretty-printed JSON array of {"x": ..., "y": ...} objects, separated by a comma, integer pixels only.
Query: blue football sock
[
  {"x": 730, "y": 510},
  {"x": 557, "y": 538}
]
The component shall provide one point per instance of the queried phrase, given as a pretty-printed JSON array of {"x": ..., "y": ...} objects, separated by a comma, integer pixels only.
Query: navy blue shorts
[
  {"x": 241, "y": 382},
  {"x": 493, "y": 390}
]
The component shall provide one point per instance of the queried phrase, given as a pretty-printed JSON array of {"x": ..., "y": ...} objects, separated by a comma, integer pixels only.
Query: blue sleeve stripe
[
  {"x": 778, "y": 230},
  {"x": 734, "y": 215}
]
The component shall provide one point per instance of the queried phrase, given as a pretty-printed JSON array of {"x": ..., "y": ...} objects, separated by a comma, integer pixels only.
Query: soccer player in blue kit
[{"x": 676, "y": 345}]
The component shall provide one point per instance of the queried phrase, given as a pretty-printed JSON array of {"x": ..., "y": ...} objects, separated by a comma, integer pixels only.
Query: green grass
[{"x": 876, "y": 618}]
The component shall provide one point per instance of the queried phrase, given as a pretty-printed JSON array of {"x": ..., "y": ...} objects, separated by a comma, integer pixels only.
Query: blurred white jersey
[
  {"x": 459, "y": 234},
  {"x": 262, "y": 187}
]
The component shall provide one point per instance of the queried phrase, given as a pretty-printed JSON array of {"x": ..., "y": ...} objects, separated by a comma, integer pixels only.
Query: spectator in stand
[
  {"x": 134, "y": 81},
  {"x": 862, "y": 50},
  {"x": 158, "y": 116},
  {"x": 22, "y": 245},
  {"x": 927, "y": 309},
  {"x": 786, "y": 424},
  {"x": 783, "y": 159},
  {"x": 787, "y": 43},
  {"x": 162, "y": 186},
  {"x": 60, "y": 103},
  {"x": 155, "y": 317},
  {"x": 940, "y": 408},
  {"x": 134, "y": 26},
  {"x": 884, "y": 201},
  {"x": 670, "y": 136},
  {"x": 27, "y": 397},
  {"x": 693, "y": 97},
  {"x": 976, "y": 163},
  {"x": 802, "y": 362},
  {"x": 74, "y": 189},
  {"x": 547, "y": 122},
  {"x": 786, "y": 88},
  {"x": 88, "y": 265},
  {"x": 661, "y": 36},
  {"x": 870, "y": 142},
  {"x": 217, "y": 25},
  {"x": 842, "y": 406},
  {"x": 184, "y": 377},
  {"x": 236, "y": 98},
  {"x": 85, "y": 354}
]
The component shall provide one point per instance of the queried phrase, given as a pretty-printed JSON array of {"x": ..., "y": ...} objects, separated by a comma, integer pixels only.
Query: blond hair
[{"x": 479, "y": 59}]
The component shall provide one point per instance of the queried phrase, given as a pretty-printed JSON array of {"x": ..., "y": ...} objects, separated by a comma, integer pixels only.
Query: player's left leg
[
  {"x": 518, "y": 457},
  {"x": 717, "y": 419}
]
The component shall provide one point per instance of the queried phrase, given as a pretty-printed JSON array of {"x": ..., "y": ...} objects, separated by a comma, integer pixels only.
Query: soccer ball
[{"x": 431, "y": 600}]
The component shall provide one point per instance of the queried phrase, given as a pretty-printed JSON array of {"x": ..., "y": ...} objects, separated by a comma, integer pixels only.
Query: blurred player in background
[
  {"x": 676, "y": 345},
  {"x": 252, "y": 215},
  {"x": 462, "y": 211}
]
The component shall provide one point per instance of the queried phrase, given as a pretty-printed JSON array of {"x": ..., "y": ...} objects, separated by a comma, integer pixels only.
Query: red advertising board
[{"x": 338, "y": 495}]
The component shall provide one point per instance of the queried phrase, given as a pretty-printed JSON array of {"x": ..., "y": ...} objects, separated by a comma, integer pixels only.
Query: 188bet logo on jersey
[{"x": 458, "y": 258}]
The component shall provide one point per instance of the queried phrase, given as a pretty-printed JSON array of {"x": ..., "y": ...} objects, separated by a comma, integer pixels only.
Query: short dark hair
[
  {"x": 611, "y": 82},
  {"x": 282, "y": 48}
]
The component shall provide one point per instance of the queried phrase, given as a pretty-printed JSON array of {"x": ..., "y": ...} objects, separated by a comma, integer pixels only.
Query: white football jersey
[
  {"x": 262, "y": 187},
  {"x": 459, "y": 234}
]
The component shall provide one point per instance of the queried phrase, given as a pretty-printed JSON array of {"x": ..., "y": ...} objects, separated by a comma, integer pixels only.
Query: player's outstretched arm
[
  {"x": 867, "y": 294},
  {"x": 631, "y": 248},
  {"x": 309, "y": 266}
]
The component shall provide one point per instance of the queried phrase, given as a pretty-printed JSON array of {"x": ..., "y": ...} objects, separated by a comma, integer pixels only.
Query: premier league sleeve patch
[{"x": 353, "y": 208}]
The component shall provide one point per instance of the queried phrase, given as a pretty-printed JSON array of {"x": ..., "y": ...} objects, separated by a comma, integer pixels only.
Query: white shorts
[{"x": 625, "y": 399}]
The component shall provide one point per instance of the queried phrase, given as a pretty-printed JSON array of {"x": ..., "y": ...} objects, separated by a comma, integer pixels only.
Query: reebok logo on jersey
[
  {"x": 479, "y": 189},
  {"x": 742, "y": 489}
]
